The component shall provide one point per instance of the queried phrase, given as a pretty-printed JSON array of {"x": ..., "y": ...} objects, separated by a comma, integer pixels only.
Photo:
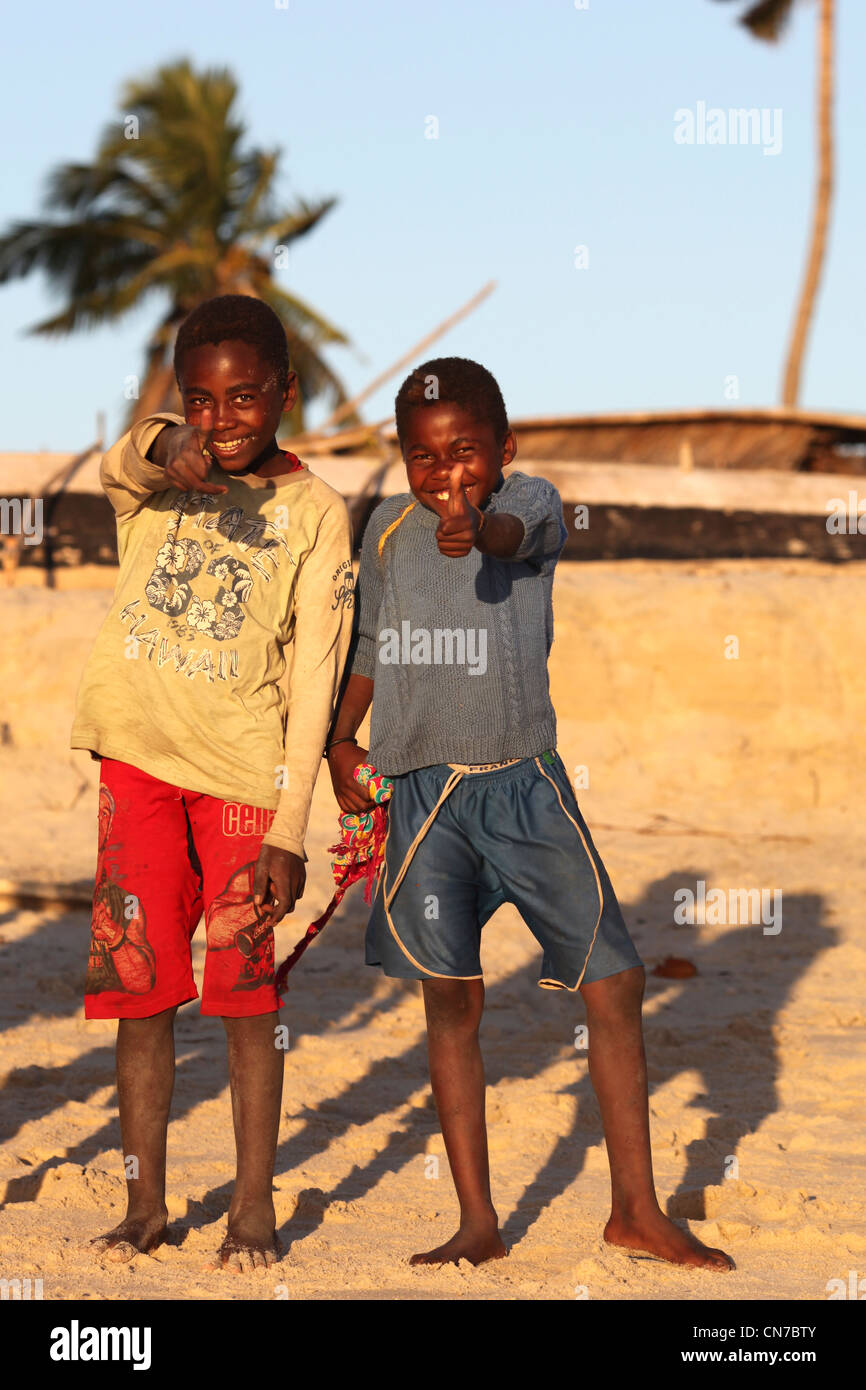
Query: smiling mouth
[
  {"x": 231, "y": 446},
  {"x": 445, "y": 493}
]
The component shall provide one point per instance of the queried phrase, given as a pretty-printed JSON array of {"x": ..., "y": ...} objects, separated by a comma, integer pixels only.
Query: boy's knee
[
  {"x": 453, "y": 1004},
  {"x": 616, "y": 994},
  {"x": 251, "y": 1025},
  {"x": 153, "y": 1025}
]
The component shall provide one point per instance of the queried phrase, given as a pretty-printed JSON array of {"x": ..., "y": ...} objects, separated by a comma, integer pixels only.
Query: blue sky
[{"x": 556, "y": 130}]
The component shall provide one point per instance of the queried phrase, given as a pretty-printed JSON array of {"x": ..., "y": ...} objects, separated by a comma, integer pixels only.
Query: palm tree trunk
[{"x": 821, "y": 216}]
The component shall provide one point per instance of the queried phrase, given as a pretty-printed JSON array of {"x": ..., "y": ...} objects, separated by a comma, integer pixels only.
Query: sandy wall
[
  {"x": 664, "y": 723},
  {"x": 652, "y": 699}
]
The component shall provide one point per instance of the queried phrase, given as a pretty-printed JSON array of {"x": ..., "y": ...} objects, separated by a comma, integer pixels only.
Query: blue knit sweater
[{"x": 457, "y": 648}]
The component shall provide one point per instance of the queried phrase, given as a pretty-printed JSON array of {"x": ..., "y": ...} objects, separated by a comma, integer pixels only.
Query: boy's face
[
  {"x": 442, "y": 435},
  {"x": 246, "y": 400}
]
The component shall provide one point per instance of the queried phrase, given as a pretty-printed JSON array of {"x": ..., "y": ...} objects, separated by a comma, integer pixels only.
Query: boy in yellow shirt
[{"x": 208, "y": 696}]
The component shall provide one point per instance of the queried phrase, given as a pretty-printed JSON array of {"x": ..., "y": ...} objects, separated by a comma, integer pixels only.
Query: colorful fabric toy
[{"x": 358, "y": 855}]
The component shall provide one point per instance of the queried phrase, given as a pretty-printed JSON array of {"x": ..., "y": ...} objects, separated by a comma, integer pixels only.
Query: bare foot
[
  {"x": 655, "y": 1234},
  {"x": 473, "y": 1242},
  {"x": 137, "y": 1235},
  {"x": 250, "y": 1243}
]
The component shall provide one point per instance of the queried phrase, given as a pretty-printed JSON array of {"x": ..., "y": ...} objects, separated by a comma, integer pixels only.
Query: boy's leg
[
  {"x": 441, "y": 877},
  {"x": 562, "y": 890},
  {"x": 617, "y": 1066},
  {"x": 139, "y": 972},
  {"x": 454, "y": 1009},
  {"x": 256, "y": 1080},
  {"x": 145, "y": 1081},
  {"x": 239, "y": 987}
]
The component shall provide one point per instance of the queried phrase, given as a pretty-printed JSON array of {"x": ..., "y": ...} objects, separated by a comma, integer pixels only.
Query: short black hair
[
  {"x": 240, "y": 316},
  {"x": 459, "y": 381}
]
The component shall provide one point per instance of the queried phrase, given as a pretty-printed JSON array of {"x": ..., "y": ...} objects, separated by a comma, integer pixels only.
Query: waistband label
[{"x": 484, "y": 767}]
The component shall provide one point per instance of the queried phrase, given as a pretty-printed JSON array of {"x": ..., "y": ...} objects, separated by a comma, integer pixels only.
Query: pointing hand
[{"x": 188, "y": 460}]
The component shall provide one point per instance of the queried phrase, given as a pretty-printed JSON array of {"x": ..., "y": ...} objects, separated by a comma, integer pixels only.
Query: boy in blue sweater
[{"x": 454, "y": 624}]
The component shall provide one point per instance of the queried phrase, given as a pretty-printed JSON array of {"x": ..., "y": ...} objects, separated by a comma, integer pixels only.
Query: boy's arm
[
  {"x": 129, "y": 473},
  {"x": 538, "y": 506},
  {"x": 357, "y": 691},
  {"x": 502, "y": 535},
  {"x": 321, "y": 635},
  {"x": 159, "y": 452},
  {"x": 344, "y": 751},
  {"x": 530, "y": 526},
  {"x": 368, "y": 601}
]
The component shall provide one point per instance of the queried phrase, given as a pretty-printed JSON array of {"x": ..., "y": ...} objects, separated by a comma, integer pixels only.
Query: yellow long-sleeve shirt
[{"x": 218, "y": 665}]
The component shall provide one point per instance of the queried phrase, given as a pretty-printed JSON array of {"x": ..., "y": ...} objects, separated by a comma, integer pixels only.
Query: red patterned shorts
[{"x": 167, "y": 856}]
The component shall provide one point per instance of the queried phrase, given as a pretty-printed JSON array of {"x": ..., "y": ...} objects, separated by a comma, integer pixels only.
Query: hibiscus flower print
[
  {"x": 202, "y": 615},
  {"x": 234, "y": 573},
  {"x": 180, "y": 557},
  {"x": 229, "y": 625}
]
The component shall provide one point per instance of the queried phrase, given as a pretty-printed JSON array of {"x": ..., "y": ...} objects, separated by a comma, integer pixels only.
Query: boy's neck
[{"x": 272, "y": 462}]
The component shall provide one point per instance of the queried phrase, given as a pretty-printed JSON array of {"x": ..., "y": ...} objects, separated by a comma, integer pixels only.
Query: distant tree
[
  {"x": 768, "y": 20},
  {"x": 173, "y": 204}
]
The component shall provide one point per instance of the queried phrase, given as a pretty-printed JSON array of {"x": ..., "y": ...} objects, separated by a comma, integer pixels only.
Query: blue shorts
[{"x": 512, "y": 835}]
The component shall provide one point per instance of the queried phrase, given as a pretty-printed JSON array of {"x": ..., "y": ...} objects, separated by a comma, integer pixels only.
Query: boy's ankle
[
  {"x": 242, "y": 1205},
  {"x": 635, "y": 1208},
  {"x": 479, "y": 1217},
  {"x": 144, "y": 1208}
]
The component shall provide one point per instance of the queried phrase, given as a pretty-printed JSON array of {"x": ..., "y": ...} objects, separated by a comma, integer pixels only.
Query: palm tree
[
  {"x": 767, "y": 20},
  {"x": 172, "y": 203}
]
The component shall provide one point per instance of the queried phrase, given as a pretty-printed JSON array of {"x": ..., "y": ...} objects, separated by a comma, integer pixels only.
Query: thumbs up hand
[{"x": 458, "y": 528}]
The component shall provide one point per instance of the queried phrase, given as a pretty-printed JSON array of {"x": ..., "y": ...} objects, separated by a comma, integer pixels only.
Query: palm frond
[
  {"x": 254, "y": 194},
  {"x": 184, "y": 210},
  {"x": 79, "y": 187},
  {"x": 298, "y": 222},
  {"x": 768, "y": 19},
  {"x": 72, "y": 253},
  {"x": 302, "y": 317}
]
